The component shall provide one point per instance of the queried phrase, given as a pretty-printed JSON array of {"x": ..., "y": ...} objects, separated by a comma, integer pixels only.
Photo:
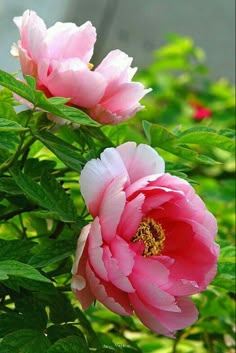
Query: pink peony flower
[
  {"x": 151, "y": 243},
  {"x": 59, "y": 59}
]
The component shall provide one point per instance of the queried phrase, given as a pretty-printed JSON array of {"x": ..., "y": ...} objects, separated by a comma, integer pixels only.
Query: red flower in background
[{"x": 200, "y": 111}]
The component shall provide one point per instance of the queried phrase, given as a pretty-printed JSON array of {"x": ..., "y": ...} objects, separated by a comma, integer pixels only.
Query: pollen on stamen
[
  {"x": 152, "y": 235},
  {"x": 90, "y": 66}
]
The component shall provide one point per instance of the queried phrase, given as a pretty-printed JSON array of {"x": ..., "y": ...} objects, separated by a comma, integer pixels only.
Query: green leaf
[
  {"x": 60, "y": 307},
  {"x": 226, "y": 269},
  {"x": 208, "y": 137},
  {"x": 19, "y": 269},
  {"x": 16, "y": 249},
  {"x": 11, "y": 322},
  {"x": 58, "y": 100},
  {"x": 8, "y": 185},
  {"x": 7, "y": 111},
  {"x": 52, "y": 252},
  {"x": 17, "y": 86},
  {"x": 160, "y": 137},
  {"x": 71, "y": 344},
  {"x": 49, "y": 194},
  {"x": 62, "y": 203},
  {"x": 27, "y": 341},
  {"x": 31, "y": 309},
  {"x": 56, "y": 332},
  {"x": 8, "y": 138},
  {"x": 31, "y": 81},
  {"x": 8, "y": 125},
  {"x": 67, "y": 153}
]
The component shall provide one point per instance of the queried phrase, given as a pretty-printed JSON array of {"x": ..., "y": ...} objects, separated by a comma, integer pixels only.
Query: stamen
[
  {"x": 90, "y": 66},
  {"x": 152, "y": 235}
]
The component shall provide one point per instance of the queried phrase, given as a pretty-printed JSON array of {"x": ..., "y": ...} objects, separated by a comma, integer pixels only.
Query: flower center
[{"x": 152, "y": 235}]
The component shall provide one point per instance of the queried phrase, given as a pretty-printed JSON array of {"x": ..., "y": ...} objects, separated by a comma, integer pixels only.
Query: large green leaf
[
  {"x": 9, "y": 125},
  {"x": 67, "y": 153},
  {"x": 17, "y": 86},
  {"x": 52, "y": 252},
  {"x": 208, "y": 137},
  {"x": 16, "y": 249},
  {"x": 22, "y": 270},
  {"x": 27, "y": 341},
  {"x": 71, "y": 344},
  {"x": 48, "y": 194},
  {"x": 160, "y": 137}
]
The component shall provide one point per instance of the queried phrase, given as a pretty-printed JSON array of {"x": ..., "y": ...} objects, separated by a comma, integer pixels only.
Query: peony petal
[
  {"x": 113, "y": 298},
  {"x": 152, "y": 270},
  {"x": 80, "y": 247},
  {"x": 131, "y": 217},
  {"x": 123, "y": 254},
  {"x": 66, "y": 40},
  {"x": 111, "y": 208},
  {"x": 97, "y": 175},
  {"x": 87, "y": 88},
  {"x": 33, "y": 31},
  {"x": 141, "y": 160},
  {"x": 115, "y": 274},
  {"x": 79, "y": 283},
  {"x": 147, "y": 316},
  {"x": 95, "y": 249},
  {"x": 126, "y": 96},
  {"x": 149, "y": 293},
  {"x": 178, "y": 320}
]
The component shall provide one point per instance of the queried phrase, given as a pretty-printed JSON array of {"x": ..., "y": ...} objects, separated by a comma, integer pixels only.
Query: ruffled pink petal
[
  {"x": 131, "y": 217},
  {"x": 33, "y": 31},
  {"x": 123, "y": 254},
  {"x": 79, "y": 284},
  {"x": 141, "y": 160},
  {"x": 187, "y": 315},
  {"x": 113, "y": 298},
  {"x": 111, "y": 208},
  {"x": 115, "y": 67},
  {"x": 97, "y": 175},
  {"x": 151, "y": 294},
  {"x": 115, "y": 274},
  {"x": 95, "y": 249},
  {"x": 87, "y": 88},
  {"x": 194, "y": 256},
  {"x": 66, "y": 40},
  {"x": 147, "y": 316},
  {"x": 28, "y": 66},
  {"x": 152, "y": 270},
  {"x": 80, "y": 247},
  {"x": 126, "y": 96}
]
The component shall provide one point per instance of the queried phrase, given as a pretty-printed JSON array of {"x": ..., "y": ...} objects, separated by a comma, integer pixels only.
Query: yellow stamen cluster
[{"x": 152, "y": 235}]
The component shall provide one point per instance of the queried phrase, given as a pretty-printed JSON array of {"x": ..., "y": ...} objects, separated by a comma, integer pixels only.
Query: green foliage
[{"x": 42, "y": 211}]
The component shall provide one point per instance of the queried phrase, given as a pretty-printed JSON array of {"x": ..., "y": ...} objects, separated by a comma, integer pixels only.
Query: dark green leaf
[
  {"x": 16, "y": 249},
  {"x": 19, "y": 269},
  {"x": 71, "y": 344},
  {"x": 67, "y": 153},
  {"x": 56, "y": 332},
  {"x": 27, "y": 341},
  {"x": 8, "y": 185},
  {"x": 52, "y": 252},
  {"x": 48, "y": 195}
]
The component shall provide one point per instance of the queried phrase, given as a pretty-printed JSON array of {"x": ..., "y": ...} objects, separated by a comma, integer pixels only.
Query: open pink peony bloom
[
  {"x": 59, "y": 59},
  {"x": 151, "y": 243}
]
